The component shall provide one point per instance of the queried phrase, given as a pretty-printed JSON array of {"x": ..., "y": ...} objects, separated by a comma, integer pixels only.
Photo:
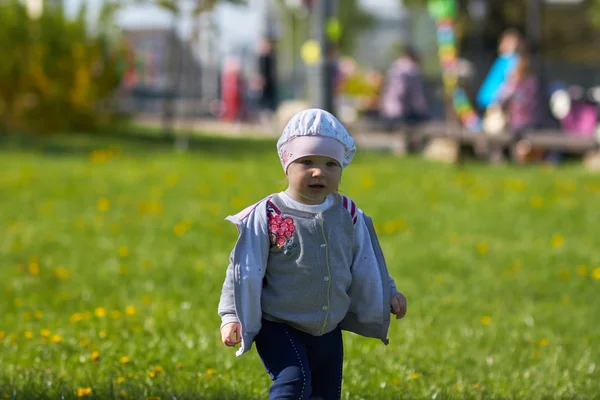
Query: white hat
[{"x": 315, "y": 132}]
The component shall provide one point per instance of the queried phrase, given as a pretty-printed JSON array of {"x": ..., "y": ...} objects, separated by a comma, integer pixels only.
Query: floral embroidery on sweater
[{"x": 281, "y": 230}]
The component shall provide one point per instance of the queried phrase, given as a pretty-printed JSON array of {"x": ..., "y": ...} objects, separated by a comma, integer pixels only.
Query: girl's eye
[
  {"x": 332, "y": 164},
  {"x": 307, "y": 162}
]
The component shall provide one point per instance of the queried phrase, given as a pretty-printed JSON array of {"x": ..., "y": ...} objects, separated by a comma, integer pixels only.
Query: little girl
[{"x": 307, "y": 265}]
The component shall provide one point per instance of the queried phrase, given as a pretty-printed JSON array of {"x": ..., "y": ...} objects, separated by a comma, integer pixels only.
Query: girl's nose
[{"x": 318, "y": 172}]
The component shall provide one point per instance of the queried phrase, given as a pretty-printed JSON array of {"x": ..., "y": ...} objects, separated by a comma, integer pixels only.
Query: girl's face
[{"x": 313, "y": 178}]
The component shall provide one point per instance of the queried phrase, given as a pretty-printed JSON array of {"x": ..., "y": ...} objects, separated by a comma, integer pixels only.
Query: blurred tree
[
  {"x": 55, "y": 75},
  {"x": 353, "y": 21},
  {"x": 174, "y": 6}
]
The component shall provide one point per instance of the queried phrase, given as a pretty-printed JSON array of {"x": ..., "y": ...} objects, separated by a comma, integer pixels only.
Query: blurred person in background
[
  {"x": 403, "y": 96},
  {"x": 267, "y": 78},
  {"x": 518, "y": 98},
  {"x": 504, "y": 65},
  {"x": 371, "y": 102},
  {"x": 232, "y": 89}
]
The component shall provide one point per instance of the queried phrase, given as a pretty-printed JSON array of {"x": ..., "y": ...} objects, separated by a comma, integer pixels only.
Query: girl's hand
[
  {"x": 231, "y": 334},
  {"x": 398, "y": 305}
]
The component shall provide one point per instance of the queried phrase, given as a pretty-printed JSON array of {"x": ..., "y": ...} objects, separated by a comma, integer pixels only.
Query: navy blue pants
[{"x": 302, "y": 366}]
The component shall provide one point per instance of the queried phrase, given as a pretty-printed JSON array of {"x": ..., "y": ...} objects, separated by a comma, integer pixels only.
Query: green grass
[{"x": 500, "y": 266}]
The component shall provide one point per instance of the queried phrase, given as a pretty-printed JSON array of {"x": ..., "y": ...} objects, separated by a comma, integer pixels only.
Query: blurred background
[{"x": 100, "y": 61}]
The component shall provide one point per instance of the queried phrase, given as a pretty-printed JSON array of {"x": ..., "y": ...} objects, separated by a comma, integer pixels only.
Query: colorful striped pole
[{"x": 444, "y": 12}]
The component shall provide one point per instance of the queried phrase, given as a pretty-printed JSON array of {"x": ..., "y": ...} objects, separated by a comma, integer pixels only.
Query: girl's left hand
[{"x": 398, "y": 305}]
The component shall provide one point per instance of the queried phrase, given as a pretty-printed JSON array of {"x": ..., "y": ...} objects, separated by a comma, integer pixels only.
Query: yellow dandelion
[
  {"x": 237, "y": 202},
  {"x": 103, "y": 204},
  {"x": 100, "y": 312},
  {"x": 180, "y": 229},
  {"x": 61, "y": 273},
  {"x": 155, "y": 371},
  {"x": 13, "y": 337},
  {"x": 120, "y": 379},
  {"x": 34, "y": 268},
  {"x": 38, "y": 314},
  {"x": 2, "y": 335},
  {"x": 99, "y": 156},
  {"x": 45, "y": 333},
  {"x": 150, "y": 207},
  {"x": 83, "y": 342},
  {"x": 84, "y": 392},
  {"x": 482, "y": 248},
  {"x": 581, "y": 270},
  {"x": 124, "y": 360},
  {"x": 172, "y": 179},
  {"x": 536, "y": 202},
  {"x": 103, "y": 334},
  {"x": 413, "y": 376},
  {"x": 557, "y": 241},
  {"x": 95, "y": 356},
  {"x": 211, "y": 371},
  {"x": 596, "y": 273},
  {"x": 544, "y": 342},
  {"x": 564, "y": 275},
  {"x": 179, "y": 365},
  {"x": 56, "y": 339},
  {"x": 203, "y": 189},
  {"x": 123, "y": 251},
  {"x": 76, "y": 317},
  {"x": 200, "y": 265},
  {"x": 389, "y": 227},
  {"x": 123, "y": 393},
  {"x": 130, "y": 310},
  {"x": 367, "y": 182},
  {"x": 153, "y": 398},
  {"x": 486, "y": 320},
  {"x": 28, "y": 335},
  {"x": 228, "y": 177}
]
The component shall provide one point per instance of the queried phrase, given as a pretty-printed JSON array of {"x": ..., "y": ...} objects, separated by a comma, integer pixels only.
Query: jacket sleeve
[
  {"x": 227, "y": 302},
  {"x": 247, "y": 263},
  {"x": 363, "y": 247}
]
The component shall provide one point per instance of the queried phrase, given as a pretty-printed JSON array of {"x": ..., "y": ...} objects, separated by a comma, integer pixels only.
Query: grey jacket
[{"x": 353, "y": 292}]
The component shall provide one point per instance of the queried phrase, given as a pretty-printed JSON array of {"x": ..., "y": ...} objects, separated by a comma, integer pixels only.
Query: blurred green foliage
[{"x": 55, "y": 74}]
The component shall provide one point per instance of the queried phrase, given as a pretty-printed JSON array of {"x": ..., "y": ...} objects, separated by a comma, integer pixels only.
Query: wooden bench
[{"x": 443, "y": 142}]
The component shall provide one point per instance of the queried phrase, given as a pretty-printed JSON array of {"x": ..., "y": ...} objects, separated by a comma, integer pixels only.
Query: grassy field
[{"x": 113, "y": 254}]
